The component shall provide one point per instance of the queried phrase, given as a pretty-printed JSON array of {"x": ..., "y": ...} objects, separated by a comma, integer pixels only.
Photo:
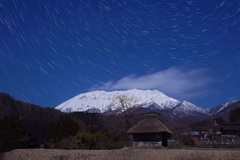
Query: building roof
[
  {"x": 231, "y": 127},
  {"x": 151, "y": 124}
]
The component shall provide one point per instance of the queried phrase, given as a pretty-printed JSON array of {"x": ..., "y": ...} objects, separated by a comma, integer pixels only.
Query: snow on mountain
[
  {"x": 185, "y": 108},
  {"x": 102, "y": 100},
  {"x": 220, "y": 107}
]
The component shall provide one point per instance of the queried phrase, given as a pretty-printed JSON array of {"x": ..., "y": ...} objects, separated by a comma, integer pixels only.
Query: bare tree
[{"x": 125, "y": 104}]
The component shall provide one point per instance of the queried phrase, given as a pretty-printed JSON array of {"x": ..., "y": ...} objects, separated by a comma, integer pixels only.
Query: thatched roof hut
[
  {"x": 150, "y": 132},
  {"x": 150, "y": 124}
]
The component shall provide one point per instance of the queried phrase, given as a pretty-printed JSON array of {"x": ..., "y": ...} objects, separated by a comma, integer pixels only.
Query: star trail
[{"x": 53, "y": 50}]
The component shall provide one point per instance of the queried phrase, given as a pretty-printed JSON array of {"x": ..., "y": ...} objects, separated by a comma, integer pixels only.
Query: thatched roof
[{"x": 151, "y": 124}]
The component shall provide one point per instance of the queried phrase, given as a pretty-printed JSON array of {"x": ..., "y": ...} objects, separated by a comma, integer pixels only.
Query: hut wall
[
  {"x": 230, "y": 139},
  {"x": 150, "y": 140},
  {"x": 147, "y": 144},
  {"x": 144, "y": 137}
]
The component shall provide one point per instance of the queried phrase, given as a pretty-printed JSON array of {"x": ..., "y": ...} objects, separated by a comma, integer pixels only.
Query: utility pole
[{"x": 212, "y": 130}]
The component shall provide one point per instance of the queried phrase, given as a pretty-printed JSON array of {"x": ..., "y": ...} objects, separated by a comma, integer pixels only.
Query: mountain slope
[
  {"x": 102, "y": 100},
  {"x": 186, "y": 109},
  {"x": 35, "y": 118},
  {"x": 150, "y": 100},
  {"x": 223, "y": 110},
  {"x": 221, "y": 107}
]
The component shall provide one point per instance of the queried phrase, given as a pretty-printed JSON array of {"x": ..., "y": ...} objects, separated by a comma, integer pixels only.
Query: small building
[
  {"x": 149, "y": 132},
  {"x": 230, "y": 133},
  {"x": 230, "y": 129}
]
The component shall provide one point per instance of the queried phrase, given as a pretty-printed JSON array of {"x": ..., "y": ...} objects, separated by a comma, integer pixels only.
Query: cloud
[{"x": 173, "y": 81}]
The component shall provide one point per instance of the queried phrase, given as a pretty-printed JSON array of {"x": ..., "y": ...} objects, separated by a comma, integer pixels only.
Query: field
[{"x": 122, "y": 154}]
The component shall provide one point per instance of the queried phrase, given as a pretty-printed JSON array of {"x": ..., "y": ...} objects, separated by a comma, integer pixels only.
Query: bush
[
  {"x": 88, "y": 140},
  {"x": 115, "y": 145},
  {"x": 67, "y": 143},
  {"x": 188, "y": 142}
]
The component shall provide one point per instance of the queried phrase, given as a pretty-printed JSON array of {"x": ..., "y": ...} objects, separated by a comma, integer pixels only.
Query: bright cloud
[{"x": 172, "y": 81}]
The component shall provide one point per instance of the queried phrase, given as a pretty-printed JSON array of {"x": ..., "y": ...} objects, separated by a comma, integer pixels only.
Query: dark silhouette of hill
[
  {"x": 224, "y": 114},
  {"x": 35, "y": 118}
]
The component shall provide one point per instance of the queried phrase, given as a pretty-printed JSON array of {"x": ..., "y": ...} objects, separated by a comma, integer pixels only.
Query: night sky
[{"x": 53, "y": 50}]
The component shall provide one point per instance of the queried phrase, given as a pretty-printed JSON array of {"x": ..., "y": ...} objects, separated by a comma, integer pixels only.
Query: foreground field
[{"x": 122, "y": 154}]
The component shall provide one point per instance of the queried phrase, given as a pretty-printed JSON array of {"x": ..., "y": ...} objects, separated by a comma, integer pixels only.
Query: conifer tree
[
  {"x": 13, "y": 134},
  {"x": 234, "y": 116},
  {"x": 63, "y": 128}
]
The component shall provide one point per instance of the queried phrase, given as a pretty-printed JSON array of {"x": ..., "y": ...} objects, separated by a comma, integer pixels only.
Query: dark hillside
[
  {"x": 225, "y": 113},
  {"x": 35, "y": 118}
]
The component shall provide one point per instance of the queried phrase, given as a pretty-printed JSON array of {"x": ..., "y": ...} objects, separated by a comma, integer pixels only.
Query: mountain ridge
[
  {"x": 103, "y": 101},
  {"x": 221, "y": 107},
  {"x": 152, "y": 100}
]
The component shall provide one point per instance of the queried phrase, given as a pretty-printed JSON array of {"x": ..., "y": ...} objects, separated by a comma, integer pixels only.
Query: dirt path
[{"x": 122, "y": 154}]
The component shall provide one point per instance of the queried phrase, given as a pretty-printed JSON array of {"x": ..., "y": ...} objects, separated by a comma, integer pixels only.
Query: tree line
[{"x": 65, "y": 133}]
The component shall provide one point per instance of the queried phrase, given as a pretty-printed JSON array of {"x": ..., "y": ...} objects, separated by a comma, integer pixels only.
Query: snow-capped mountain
[
  {"x": 184, "y": 109},
  {"x": 223, "y": 110},
  {"x": 102, "y": 101},
  {"x": 221, "y": 107}
]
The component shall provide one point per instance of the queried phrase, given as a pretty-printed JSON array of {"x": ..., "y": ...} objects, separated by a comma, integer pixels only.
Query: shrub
[
  {"x": 115, "y": 145},
  {"x": 67, "y": 143},
  {"x": 188, "y": 141},
  {"x": 88, "y": 140}
]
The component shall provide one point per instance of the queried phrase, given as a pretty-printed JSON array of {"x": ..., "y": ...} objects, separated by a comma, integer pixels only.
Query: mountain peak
[
  {"x": 221, "y": 107},
  {"x": 103, "y": 99},
  {"x": 150, "y": 100}
]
